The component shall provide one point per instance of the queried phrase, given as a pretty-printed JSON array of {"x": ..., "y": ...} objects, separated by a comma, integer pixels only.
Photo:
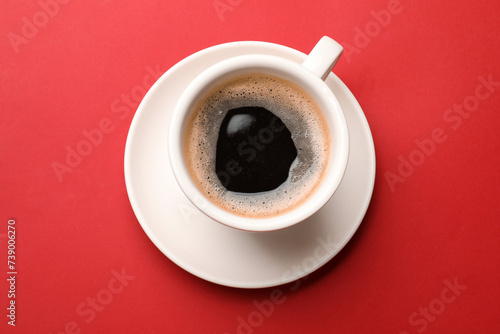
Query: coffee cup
[{"x": 258, "y": 142}]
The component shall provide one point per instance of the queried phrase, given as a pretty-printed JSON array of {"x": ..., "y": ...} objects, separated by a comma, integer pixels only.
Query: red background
[{"x": 439, "y": 226}]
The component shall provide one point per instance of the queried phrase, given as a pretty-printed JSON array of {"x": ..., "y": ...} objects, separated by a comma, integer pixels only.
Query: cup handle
[{"x": 323, "y": 57}]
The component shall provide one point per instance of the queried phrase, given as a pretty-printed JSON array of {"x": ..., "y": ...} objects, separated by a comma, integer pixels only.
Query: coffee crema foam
[{"x": 298, "y": 112}]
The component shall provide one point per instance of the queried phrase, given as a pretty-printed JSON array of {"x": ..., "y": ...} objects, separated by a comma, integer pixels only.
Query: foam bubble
[{"x": 298, "y": 112}]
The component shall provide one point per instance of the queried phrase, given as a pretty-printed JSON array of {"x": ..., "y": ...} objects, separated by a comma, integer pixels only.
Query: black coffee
[
  {"x": 254, "y": 151},
  {"x": 256, "y": 145}
]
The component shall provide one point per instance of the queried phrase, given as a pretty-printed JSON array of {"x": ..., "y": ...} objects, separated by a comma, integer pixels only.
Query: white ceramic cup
[{"x": 310, "y": 76}]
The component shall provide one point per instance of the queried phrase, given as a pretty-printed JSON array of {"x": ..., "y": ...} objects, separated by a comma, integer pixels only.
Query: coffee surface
[
  {"x": 256, "y": 108},
  {"x": 254, "y": 151}
]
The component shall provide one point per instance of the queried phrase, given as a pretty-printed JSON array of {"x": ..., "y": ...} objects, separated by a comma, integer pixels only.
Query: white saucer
[{"x": 221, "y": 254}]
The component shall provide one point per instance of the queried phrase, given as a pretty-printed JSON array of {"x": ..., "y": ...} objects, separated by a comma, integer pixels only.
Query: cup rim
[{"x": 285, "y": 69}]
